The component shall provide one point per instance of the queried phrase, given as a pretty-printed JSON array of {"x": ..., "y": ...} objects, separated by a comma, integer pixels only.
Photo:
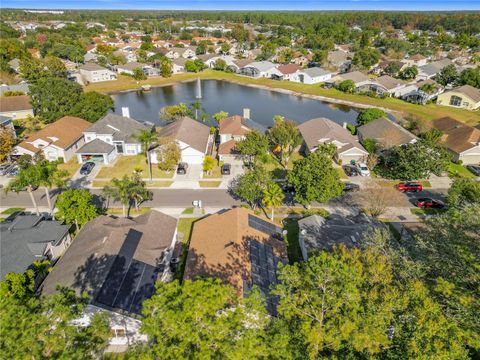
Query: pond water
[{"x": 232, "y": 98}]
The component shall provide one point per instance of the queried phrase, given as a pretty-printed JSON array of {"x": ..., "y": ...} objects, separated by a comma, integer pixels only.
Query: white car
[{"x": 363, "y": 169}]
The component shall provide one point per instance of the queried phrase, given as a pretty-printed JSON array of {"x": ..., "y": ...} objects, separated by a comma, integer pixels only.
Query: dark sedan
[
  {"x": 350, "y": 187},
  {"x": 350, "y": 170},
  {"x": 87, "y": 168},
  {"x": 428, "y": 203},
  {"x": 474, "y": 169}
]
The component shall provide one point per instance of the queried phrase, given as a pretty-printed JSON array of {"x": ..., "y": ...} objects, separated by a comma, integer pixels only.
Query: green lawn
[
  {"x": 13, "y": 210},
  {"x": 133, "y": 211},
  {"x": 293, "y": 246},
  {"x": 455, "y": 170},
  {"x": 209, "y": 184},
  {"x": 150, "y": 184},
  {"x": 422, "y": 212},
  {"x": 126, "y": 165},
  {"x": 71, "y": 167},
  {"x": 278, "y": 171},
  {"x": 184, "y": 226},
  {"x": 427, "y": 112},
  {"x": 188, "y": 211}
]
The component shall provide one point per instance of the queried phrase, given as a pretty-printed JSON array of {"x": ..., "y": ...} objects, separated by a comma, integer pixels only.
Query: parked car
[
  {"x": 225, "y": 169},
  {"x": 363, "y": 169},
  {"x": 410, "y": 186},
  {"x": 475, "y": 169},
  {"x": 12, "y": 171},
  {"x": 4, "y": 169},
  {"x": 350, "y": 170},
  {"x": 87, "y": 168},
  {"x": 182, "y": 168},
  {"x": 428, "y": 203},
  {"x": 350, "y": 187}
]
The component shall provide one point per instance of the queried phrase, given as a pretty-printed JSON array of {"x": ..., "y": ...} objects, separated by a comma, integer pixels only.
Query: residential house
[
  {"x": 385, "y": 133},
  {"x": 415, "y": 60},
  {"x": 313, "y": 75},
  {"x": 233, "y": 129},
  {"x": 15, "y": 65},
  {"x": 22, "y": 87},
  {"x": 129, "y": 68},
  {"x": 129, "y": 56},
  {"x": 178, "y": 65},
  {"x": 109, "y": 137},
  {"x": 257, "y": 69},
  {"x": 302, "y": 60},
  {"x": 238, "y": 247},
  {"x": 16, "y": 107},
  {"x": 176, "y": 52},
  {"x": 6, "y": 122},
  {"x": 462, "y": 140},
  {"x": 339, "y": 59},
  {"x": 317, "y": 233},
  {"x": 358, "y": 78},
  {"x": 431, "y": 70},
  {"x": 58, "y": 140},
  {"x": 117, "y": 261},
  {"x": 287, "y": 71},
  {"x": 415, "y": 93},
  {"x": 27, "y": 238},
  {"x": 386, "y": 84},
  {"x": 92, "y": 73},
  {"x": 465, "y": 97},
  {"x": 192, "y": 137},
  {"x": 324, "y": 131}
]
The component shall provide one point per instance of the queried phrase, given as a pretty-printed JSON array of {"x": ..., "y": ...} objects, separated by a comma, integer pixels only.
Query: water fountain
[{"x": 199, "y": 89}]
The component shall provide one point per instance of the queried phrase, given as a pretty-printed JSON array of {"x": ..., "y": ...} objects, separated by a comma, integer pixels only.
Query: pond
[{"x": 233, "y": 98}]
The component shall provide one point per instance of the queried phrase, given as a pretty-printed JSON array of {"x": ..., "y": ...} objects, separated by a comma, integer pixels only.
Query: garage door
[
  {"x": 192, "y": 159},
  {"x": 93, "y": 158}
]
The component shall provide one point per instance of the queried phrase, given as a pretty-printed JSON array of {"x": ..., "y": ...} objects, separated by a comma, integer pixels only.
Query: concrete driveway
[{"x": 80, "y": 181}]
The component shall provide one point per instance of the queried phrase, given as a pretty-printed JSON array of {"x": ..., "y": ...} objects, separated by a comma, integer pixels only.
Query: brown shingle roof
[
  {"x": 470, "y": 91},
  {"x": 66, "y": 130},
  {"x": 457, "y": 136},
  {"x": 227, "y": 148},
  {"x": 233, "y": 125},
  {"x": 189, "y": 131},
  {"x": 288, "y": 68},
  {"x": 15, "y": 103},
  {"x": 322, "y": 130},
  {"x": 389, "y": 82},
  {"x": 219, "y": 248}
]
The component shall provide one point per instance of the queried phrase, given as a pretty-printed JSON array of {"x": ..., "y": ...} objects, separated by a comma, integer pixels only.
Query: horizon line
[{"x": 243, "y": 10}]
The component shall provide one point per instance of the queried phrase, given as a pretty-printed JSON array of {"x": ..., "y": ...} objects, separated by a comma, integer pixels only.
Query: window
[{"x": 455, "y": 100}]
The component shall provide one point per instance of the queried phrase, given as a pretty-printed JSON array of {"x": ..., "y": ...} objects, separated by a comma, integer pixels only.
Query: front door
[{"x": 119, "y": 147}]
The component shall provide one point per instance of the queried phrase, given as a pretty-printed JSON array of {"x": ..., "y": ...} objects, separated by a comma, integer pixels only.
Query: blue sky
[{"x": 421, "y": 5}]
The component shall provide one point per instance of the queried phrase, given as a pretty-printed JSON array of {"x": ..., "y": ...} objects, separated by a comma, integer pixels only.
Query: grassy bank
[{"x": 428, "y": 112}]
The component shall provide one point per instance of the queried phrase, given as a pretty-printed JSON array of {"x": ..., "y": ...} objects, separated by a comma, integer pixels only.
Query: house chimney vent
[
  {"x": 246, "y": 113},
  {"x": 344, "y": 125},
  {"x": 126, "y": 111}
]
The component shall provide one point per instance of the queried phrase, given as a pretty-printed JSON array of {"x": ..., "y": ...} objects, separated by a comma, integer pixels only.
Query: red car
[
  {"x": 412, "y": 186},
  {"x": 427, "y": 203}
]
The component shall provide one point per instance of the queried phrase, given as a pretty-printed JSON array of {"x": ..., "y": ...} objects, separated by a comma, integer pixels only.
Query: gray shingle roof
[
  {"x": 92, "y": 67},
  {"x": 387, "y": 132},
  {"x": 96, "y": 146},
  {"x": 105, "y": 248},
  {"x": 24, "y": 240},
  {"x": 262, "y": 65},
  {"x": 189, "y": 131},
  {"x": 122, "y": 128},
  {"x": 315, "y": 71}
]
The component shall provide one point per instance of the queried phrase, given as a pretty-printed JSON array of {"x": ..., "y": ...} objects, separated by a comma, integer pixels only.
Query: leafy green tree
[
  {"x": 320, "y": 56},
  {"x": 347, "y": 86},
  {"x": 53, "y": 98},
  {"x": 392, "y": 69},
  {"x": 347, "y": 304},
  {"x": 314, "y": 178},
  {"x": 166, "y": 67},
  {"x": 432, "y": 136},
  {"x": 92, "y": 106},
  {"x": 414, "y": 161},
  {"x": 253, "y": 145},
  {"x": 138, "y": 191},
  {"x": 408, "y": 73},
  {"x": 219, "y": 116},
  {"x": 220, "y": 65},
  {"x": 147, "y": 138},
  {"x": 225, "y": 49},
  {"x": 470, "y": 77},
  {"x": 429, "y": 88},
  {"x": 138, "y": 74},
  {"x": 447, "y": 75},
  {"x": 119, "y": 190},
  {"x": 204, "y": 319},
  {"x": 208, "y": 164},
  {"x": 250, "y": 186},
  {"x": 463, "y": 191},
  {"x": 175, "y": 112},
  {"x": 370, "y": 145},
  {"x": 168, "y": 154},
  {"x": 201, "y": 48},
  {"x": 286, "y": 137},
  {"x": 41, "y": 327},
  {"x": 50, "y": 175},
  {"x": 7, "y": 141},
  {"x": 273, "y": 196},
  {"x": 285, "y": 56},
  {"x": 367, "y": 115},
  {"x": 27, "y": 178},
  {"x": 366, "y": 58},
  {"x": 75, "y": 206}
]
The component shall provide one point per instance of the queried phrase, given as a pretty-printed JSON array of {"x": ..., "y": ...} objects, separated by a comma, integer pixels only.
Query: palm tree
[
  {"x": 197, "y": 106},
  {"x": 28, "y": 178},
  {"x": 273, "y": 196},
  {"x": 139, "y": 192},
  {"x": 147, "y": 138},
  {"x": 49, "y": 176},
  {"x": 119, "y": 190}
]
